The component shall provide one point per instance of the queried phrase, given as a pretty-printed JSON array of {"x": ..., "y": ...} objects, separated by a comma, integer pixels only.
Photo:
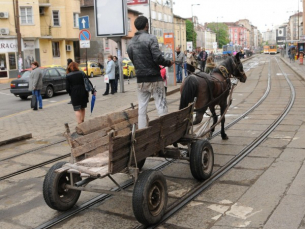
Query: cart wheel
[
  {"x": 149, "y": 197},
  {"x": 141, "y": 163},
  {"x": 201, "y": 160},
  {"x": 54, "y": 193}
]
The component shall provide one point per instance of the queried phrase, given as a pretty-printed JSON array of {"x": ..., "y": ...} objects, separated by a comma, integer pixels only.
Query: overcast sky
[{"x": 261, "y": 13}]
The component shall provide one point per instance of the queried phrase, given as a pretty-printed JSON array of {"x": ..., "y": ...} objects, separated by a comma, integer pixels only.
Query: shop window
[
  {"x": 56, "y": 18},
  {"x": 55, "y": 49},
  {"x": 26, "y": 15},
  {"x": 12, "y": 61}
]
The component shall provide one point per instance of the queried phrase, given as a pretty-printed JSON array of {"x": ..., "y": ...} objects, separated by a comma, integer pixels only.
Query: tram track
[
  {"x": 182, "y": 202},
  {"x": 101, "y": 198}
]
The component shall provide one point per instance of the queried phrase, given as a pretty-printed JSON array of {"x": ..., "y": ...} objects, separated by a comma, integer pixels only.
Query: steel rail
[{"x": 235, "y": 160}]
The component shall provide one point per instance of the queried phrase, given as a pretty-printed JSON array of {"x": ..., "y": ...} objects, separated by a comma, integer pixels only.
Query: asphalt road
[{"x": 11, "y": 105}]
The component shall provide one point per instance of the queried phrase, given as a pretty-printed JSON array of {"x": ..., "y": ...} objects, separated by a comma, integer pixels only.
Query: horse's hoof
[{"x": 225, "y": 137}]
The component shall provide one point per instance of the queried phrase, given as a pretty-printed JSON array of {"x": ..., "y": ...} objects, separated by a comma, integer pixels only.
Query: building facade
[
  {"x": 48, "y": 30},
  {"x": 180, "y": 32},
  {"x": 295, "y": 26},
  {"x": 237, "y": 34}
]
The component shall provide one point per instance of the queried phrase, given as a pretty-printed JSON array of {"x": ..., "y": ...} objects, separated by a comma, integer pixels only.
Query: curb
[{"x": 16, "y": 139}]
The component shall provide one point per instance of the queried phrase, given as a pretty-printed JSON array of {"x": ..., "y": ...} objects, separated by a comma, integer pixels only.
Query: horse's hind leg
[
  {"x": 223, "y": 134},
  {"x": 215, "y": 118}
]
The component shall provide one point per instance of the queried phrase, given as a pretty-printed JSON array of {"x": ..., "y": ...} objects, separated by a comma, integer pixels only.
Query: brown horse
[{"x": 212, "y": 90}]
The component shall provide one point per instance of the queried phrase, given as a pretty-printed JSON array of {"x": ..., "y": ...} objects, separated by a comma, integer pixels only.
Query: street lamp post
[{"x": 193, "y": 21}]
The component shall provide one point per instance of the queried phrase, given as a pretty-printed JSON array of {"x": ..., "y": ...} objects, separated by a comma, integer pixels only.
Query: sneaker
[
  {"x": 40, "y": 108},
  {"x": 70, "y": 102}
]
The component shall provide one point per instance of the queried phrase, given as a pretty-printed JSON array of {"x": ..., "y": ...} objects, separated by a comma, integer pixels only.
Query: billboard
[
  {"x": 136, "y": 2},
  {"x": 110, "y": 18}
]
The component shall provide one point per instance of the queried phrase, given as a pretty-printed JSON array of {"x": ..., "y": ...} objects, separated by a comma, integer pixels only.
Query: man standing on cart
[{"x": 146, "y": 56}]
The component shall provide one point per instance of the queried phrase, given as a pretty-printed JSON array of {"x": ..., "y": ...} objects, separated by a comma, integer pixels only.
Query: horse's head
[{"x": 238, "y": 70}]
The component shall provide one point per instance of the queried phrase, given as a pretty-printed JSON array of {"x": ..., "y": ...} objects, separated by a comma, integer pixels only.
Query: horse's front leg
[{"x": 223, "y": 134}]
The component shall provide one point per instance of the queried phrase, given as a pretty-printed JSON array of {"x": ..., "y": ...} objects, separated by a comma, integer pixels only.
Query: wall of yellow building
[
  {"x": 46, "y": 55},
  {"x": 7, "y": 6},
  {"x": 34, "y": 29}
]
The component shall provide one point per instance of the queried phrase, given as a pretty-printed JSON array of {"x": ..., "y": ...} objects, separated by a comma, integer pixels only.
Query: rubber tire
[
  {"x": 131, "y": 75},
  {"x": 147, "y": 180},
  {"x": 50, "y": 189},
  {"x": 47, "y": 95},
  {"x": 91, "y": 75},
  {"x": 23, "y": 97},
  {"x": 198, "y": 171}
]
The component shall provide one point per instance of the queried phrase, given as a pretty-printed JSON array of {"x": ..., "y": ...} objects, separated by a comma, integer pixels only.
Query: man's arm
[{"x": 156, "y": 53}]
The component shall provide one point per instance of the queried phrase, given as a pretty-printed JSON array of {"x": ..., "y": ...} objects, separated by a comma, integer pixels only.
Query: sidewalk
[
  {"x": 50, "y": 121},
  {"x": 296, "y": 67}
]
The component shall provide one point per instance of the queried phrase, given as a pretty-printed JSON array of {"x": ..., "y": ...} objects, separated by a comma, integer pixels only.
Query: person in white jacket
[{"x": 110, "y": 71}]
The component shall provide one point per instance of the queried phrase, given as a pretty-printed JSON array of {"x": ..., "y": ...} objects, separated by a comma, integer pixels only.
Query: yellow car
[
  {"x": 128, "y": 69},
  {"x": 93, "y": 68}
]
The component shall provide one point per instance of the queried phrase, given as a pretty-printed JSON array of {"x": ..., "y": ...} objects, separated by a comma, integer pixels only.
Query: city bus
[
  {"x": 266, "y": 49},
  {"x": 272, "y": 49}
]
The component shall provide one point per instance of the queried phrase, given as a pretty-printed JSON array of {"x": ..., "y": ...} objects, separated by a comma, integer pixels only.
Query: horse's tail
[{"x": 189, "y": 91}]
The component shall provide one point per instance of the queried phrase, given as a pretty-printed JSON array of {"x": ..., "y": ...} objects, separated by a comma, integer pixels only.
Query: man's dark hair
[{"x": 140, "y": 22}]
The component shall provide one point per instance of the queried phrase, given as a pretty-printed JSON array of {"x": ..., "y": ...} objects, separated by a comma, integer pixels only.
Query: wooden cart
[{"x": 111, "y": 144}]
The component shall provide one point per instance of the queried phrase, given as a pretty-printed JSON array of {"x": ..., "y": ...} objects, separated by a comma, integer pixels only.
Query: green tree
[
  {"x": 221, "y": 31},
  {"x": 191, "y": 35}
]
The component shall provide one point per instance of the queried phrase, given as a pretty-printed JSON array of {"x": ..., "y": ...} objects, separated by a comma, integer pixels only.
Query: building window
[
  {"x": 160, "y": 16},
  {"x": 129, "y": 27},
  {"x": 56, "y": 19},
  {"x": 12, "y": 61},
  {"x": 75, "y": 20},
  {"x": 153, "y": 14},
  {"x": 55, "y": 49},
  {"x": 165, "y": 17},
  {"x": 26, "y": 15}
]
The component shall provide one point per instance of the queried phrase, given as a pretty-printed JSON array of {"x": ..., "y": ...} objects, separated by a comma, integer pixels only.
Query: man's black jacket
[{"x": 146, "y": 56}]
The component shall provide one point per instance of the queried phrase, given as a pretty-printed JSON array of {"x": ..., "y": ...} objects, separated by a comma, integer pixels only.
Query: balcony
[{"x": 44, "y": 3}]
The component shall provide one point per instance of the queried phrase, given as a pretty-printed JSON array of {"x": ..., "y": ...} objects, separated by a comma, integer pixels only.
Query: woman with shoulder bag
[
  {"x": 110, "y": 72},
  {"x": 76, "y": 88}
]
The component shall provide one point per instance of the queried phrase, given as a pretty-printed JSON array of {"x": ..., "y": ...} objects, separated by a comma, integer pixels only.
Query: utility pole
[{"x": 18, "y": 35}]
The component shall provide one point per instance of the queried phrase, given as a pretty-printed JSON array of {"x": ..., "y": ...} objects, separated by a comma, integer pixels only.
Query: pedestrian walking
[
  {"x": 203, "y": 57},
  {"x": 69, "y": 61},
  {"x": 117, "y": 74},
  {"x": 179, "y": 56},
  {"x": 110, "y": 71},
  {"x": 293, "y": 52},
  {"x": 185, "y": 63},
  {"x": 35, "y": 83},
  {"x": 210, "y": 65},
  {"x": 146, "y": 56},
  {"x": 76, "y": 88}
]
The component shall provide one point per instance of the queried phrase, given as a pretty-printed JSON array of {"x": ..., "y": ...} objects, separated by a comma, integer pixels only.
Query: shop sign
[
  {"x": 28, "y": 45},
  {"x": 8, "y": 45}
]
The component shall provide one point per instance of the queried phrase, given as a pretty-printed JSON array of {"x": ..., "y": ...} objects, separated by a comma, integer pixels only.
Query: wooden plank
[
  {"x": 172, "y": 129},
  {"x": 104, "y": 121},
  {"x": 124, "y": 124},
  {"x": 139, "y": 145},
  {"x": 122, "y": 163},
  {"x": 83, "y": 169},
  {"x": 85, "y": 139},
  {"x": 96, "y": 151},
  {"x": 90, "y": 146},
  {"x": 175, "y": 136}
]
